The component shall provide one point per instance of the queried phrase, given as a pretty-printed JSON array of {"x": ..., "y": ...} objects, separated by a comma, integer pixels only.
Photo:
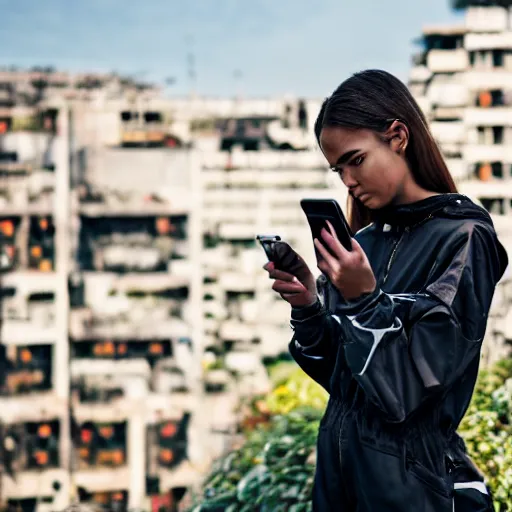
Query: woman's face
[{"x": 373, "y": 170}]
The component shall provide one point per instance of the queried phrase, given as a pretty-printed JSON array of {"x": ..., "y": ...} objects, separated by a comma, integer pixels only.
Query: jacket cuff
[
  {"x": 356, "y": 306},
  {"x": 306, "y": 312}
]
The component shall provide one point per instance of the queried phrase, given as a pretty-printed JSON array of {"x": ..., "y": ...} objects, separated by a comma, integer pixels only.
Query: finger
[
  {"x": 324, "y": 268},
  {"x": 283, "y": 276},
  {"x": 286, "y": 287},
  {"x": 326, "y": 255},
  {"x": 334, "y": 244},
  {"x": 269, "y": 266},
  {"x": 357, "y": 249},
  {"x": 331, "y": 229}
]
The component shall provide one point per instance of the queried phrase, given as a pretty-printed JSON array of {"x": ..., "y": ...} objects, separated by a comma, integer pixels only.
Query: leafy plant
[{"x": 274, "y": 468}]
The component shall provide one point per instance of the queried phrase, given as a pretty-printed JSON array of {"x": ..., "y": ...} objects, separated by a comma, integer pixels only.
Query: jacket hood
[{"x": 449, "y": 206}]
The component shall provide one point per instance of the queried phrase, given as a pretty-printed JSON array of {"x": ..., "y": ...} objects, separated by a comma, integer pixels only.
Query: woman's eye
[{"x": 358, "y": 161}]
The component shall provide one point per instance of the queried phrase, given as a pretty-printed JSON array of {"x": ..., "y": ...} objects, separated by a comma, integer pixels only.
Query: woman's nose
[{"x": 348, "y": 180}]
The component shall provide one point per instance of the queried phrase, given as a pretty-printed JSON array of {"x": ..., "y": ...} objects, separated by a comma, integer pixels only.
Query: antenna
[{"x": 191, "y": 63}]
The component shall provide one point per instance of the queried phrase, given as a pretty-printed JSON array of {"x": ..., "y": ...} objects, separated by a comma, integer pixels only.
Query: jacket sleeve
[
  {"x": 315, "y": 342},
  {"x": 404, "y": 349}
]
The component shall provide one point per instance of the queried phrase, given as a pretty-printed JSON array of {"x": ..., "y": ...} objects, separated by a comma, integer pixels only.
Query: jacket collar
[{"x": 408, "y": 215}]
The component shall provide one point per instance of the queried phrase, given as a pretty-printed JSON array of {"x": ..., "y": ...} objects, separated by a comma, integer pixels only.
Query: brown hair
[{"x": 372, "y": 100}]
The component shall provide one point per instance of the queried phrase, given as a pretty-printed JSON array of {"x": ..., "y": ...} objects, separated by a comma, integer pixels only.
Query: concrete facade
[
  {"x": 135, "y": 312},
  {"x": 462, "y": 79}
]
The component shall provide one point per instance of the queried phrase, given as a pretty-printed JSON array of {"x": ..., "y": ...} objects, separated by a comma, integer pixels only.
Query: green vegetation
[{"x": 272, "y": 471}]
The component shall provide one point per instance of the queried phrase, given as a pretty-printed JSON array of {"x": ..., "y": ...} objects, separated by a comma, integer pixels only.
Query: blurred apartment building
[
  {"x": 135, "y": 313},
  {"x": 462, "y": 79}
]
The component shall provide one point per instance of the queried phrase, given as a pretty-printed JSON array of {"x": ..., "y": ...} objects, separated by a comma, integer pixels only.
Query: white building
[{"x": 463, "y": 81}]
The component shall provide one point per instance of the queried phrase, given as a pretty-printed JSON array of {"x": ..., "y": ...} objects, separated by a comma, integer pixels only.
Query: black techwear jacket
[{"x": 400, "y": 364}]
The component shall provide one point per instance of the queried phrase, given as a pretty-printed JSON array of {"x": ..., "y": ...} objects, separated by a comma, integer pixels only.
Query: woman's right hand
[{"x": 298, "y": 290}]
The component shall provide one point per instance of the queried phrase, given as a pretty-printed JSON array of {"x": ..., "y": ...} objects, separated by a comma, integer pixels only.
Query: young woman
[{"x": 393, "y": 328}]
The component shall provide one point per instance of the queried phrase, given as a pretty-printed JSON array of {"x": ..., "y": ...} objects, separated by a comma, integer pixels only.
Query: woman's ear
[{"x": 398, "y": 136}]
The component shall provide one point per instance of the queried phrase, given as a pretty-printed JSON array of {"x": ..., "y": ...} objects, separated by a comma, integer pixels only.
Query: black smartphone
[
  {"x": 318, "y": 211},
  {"x": 282, "y": 255},
  {"x": 267, "y": 242}
]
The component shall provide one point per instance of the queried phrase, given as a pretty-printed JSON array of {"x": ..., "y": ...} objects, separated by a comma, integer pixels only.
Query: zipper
[{"x": 393, "y": 254}]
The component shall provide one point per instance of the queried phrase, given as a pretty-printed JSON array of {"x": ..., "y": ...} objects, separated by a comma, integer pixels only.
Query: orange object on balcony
[
  {"x": 7, "y": 227},
  {"x": 98, "y": 349},
  {"x": 43, "y": 224},
  {"x": 84, "y": 452},
  {"x": 156, "y": 349},
  {"x": 109, "y": 348},
  {"x": 44, "y": 431},
  {"x": 36, "y": 251},
  {"x": 485, "y": 99},
  {"x": 166, "y": 455},
  {"x": 3, "y": 127},
  {"x": 41, "y": 457},
  {"x": 106, "y": 432},
  {"x": 122, "y": 348},
  {"x": 168, "y": 430},
  {"x": 163, "y": 225},
  {"x": 25, "y": 356},
  {"x": 485, "y": 172},
  {"x": 118, "y": 457},
  {"x": 118, "y": 496},
  {"x": 100, "y": 498},
  {"x": 10, "y": 250},
  {"x": 45, "y": 266},
  {"x": 86, "y": 436}
]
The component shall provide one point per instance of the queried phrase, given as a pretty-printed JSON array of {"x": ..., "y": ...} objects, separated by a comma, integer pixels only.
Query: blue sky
[{"x": 280, "y": 47}]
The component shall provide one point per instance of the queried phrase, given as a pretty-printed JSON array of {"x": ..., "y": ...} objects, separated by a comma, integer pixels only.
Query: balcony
[
  {"x": 237, "y": 282},
  {"x": 494, "y": 189},
  {"x": 486, "y": 19},
  {"x": 488, "y": 79},
  {"x": 233, "y": 330},
  {"x": 28, "y": 484},
  {"x": 216, "y": 214},
  {"x": 274, "y": 340},
  {"x": 97, "y": 384},
  {"x": 458, "y": 169},
  {"x": 24, "y": 191},
  {"x": 258, "y": 178},
  {"x": 28, "y": 370},
  {"x": 264, "y": 160},
  {"x": 167, "y": 443},
  {"x": 101, "y": 445},
  {"x": 32, "y": 446},
  {"x": 492, "y": 116},
  {"x": 134, "y": 306},
  {"x": 132, "y": 244},
  {"x": 449, "y": 132},
  {"x": 447, "y": 94},
  {"x": 488, "y": 41},
  {"x": 134, "y": 322},
  {"x": 27, "y": 243},
  {"x": 102, "y": 479},
  {"x": 487, "y": 153},
  {"x": 447, "y": 61},
  {"x": 28, "y": 308}
]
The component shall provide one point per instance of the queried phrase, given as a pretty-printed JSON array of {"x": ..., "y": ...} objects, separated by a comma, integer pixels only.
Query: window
[
  {"x": 497, "y": 134},
  {"x": 494, "y": 206},
  {"x": 497, "y": 58},
  {"x": 481, "y": 134}
]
